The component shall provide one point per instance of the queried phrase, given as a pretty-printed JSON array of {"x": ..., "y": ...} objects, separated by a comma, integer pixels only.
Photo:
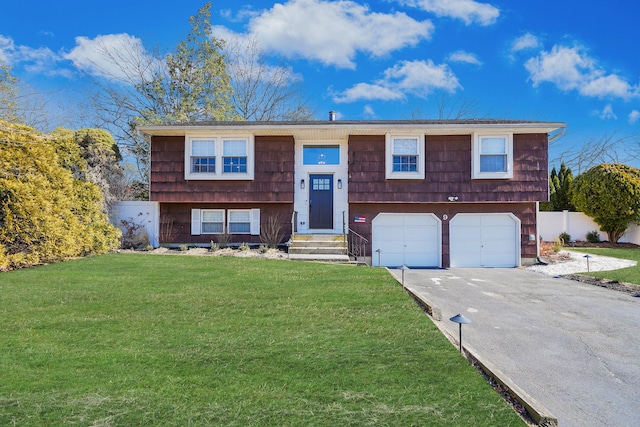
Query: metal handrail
[
  {"x": 357, "y": 245},
  {"x": 293, "y": 224}
]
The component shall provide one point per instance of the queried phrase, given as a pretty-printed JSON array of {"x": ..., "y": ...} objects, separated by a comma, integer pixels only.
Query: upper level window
[
  {"x": 492, "y": 156},
  {"x": 219, "y": 158},
  {"x": 234, "y": 156},
  {"x": 203, "y": 156},
  {"x": 321, "y": 155},
  {"x": 405, "y": 157}
]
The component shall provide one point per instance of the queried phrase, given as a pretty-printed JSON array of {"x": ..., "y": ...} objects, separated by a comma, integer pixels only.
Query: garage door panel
[
  {"x": 484, "y": 240},
  {"x": 409, "y": 239}
]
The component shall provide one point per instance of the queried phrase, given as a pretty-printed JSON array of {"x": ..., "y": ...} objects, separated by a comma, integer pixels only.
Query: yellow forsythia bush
[{"x": 47, "y": 212}]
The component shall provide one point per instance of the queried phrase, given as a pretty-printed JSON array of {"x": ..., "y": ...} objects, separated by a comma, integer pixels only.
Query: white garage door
[
  {"x": 484, "y": 240},
  {"x": 411, "y": 239}
]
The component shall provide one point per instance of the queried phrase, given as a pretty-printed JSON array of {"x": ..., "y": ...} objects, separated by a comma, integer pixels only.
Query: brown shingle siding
[
  {"x": 273, "y": 174},
  {"x": 447, "y": 172}
]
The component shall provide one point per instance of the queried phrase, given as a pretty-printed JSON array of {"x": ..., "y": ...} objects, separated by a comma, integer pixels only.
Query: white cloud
[
  {"x": 41, "y": 60},
  {"x": 571, "y": 68},
  {"x": 369, "y": 112},
  {"x": 634, "y": 116},
  {"x": 7, "y": 48},
  {"x": 114, "y": 56},
  {"x": 334, "y": 32},
  {"x": 369, "y": 92},
  {"x": 607, "y": 113},
  {"x": 464, "y": 57},
  {"x": 525, "y": 42},
  {"x": 419, "y": 78},
  {"x": 469, "y": 11}
]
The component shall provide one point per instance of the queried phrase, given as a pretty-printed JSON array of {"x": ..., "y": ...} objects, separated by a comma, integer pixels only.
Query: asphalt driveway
[{"x": 573, "y": 347}]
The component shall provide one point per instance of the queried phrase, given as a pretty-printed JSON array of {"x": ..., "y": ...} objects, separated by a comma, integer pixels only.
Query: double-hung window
[
  {"x": 493, "y": 156},
  {"x": 203, "y": 156},
  {"x": 212, "y": 221},
  {"x": 219, "y": 158},
  {"x": 405, "y": 157},
  {"x": 234, "y": 156},
  {"x": 239, "y": 221}
]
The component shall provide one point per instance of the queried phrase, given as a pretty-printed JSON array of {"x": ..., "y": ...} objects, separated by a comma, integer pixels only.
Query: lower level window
[
  {"x": 212, "y": 221},
  {"x": 240, "y": 221}
]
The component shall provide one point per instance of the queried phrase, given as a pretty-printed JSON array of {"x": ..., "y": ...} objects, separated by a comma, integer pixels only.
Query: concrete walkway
[{"x": 573, "y": 347}]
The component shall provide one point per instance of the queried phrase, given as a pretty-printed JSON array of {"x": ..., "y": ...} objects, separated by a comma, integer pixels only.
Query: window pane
[
  {"x": 235, "y": 165},
  {"x": 493, "y": 146},
  {"x": 405, "y": 163},
  {"x": 493, "y": 163},
  {"x": 321, "y": 184},
  {"x": 239, "y": 216},
  {"x": 213, "y": 216},
  {"x": 203, "y": 164},
  {"x": 321, "y": 155},
  {"x": 203, "y": 148},
  {"x": 240, "y": 227},
  {"x": 234, "y": 147},
  {"x": 212, "y": 227},
  {"x": 405, "y": 146}
]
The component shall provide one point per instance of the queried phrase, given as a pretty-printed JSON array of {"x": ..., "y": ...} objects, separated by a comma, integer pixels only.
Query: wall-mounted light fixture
[
  {"x": 302, "y": 183},
  {"x": 453, "y": 198},
  {"x": 339, "y": 184}
]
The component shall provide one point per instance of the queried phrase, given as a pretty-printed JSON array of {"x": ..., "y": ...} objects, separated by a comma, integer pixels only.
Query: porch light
[
  {"x": 339, "y": 184},
  {"x": 460, "y": 319},
  {"x": 302, "y": 183}
]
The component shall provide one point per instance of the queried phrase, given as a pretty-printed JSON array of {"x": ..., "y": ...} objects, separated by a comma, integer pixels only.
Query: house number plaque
[{"x": 445, "y": 217}]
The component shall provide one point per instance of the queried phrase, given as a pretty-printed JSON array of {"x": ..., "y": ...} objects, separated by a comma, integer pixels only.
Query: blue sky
[{"x": 570, "y": 61}]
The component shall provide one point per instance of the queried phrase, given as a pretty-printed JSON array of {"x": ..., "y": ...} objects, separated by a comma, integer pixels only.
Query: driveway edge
[{"x": 538, "y": 413}]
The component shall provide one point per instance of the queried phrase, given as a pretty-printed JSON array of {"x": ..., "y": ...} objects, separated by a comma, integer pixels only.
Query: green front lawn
[
  {"x": 628, "y": 275},
  {"x": 130, "y": 340}
]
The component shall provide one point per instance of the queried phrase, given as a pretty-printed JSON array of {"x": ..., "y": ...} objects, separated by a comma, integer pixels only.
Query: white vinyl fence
[
  {"x": 143, "y": 213},
  {"x": 577, "y": 225}
]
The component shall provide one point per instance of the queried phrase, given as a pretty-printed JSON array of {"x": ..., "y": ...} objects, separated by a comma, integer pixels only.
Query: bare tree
[
  {"x": 609, "y": 148},
  {"x": 263, "y": 91},
  {"x": 451, "y": 108},
  {"x": 190, "y": 84}
]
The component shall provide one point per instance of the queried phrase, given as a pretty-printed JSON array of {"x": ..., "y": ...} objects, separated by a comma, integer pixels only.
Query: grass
[
  {"x": 627, "y": 275},
  {"x": 128, "y": 339}
]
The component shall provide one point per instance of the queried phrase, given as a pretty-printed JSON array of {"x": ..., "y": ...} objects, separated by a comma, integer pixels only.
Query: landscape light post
[
  {"x": 460, "y": 319},
  {"x": 587, "y": 256},
  {"x": 403, "y": 268},
  {"x": 379, "y": 251}
]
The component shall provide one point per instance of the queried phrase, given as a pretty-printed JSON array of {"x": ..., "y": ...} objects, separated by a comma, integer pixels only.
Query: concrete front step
[
  {"x": 317, "y": 244},
  {"x": 320, "y": 257},
  {"x": 326, "y": 250},
  {"x": 319, "y": 247}
]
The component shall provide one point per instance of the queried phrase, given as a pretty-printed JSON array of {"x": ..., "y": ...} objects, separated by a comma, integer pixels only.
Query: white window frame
[
  {"x": 420, "y": 167},
  {"x": 219, "y": 173},
  {"x": 476, "y": 172}
]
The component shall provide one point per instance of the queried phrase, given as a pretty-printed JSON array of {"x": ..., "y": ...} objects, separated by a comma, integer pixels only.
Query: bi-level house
[{"x": 429, "y": 193}]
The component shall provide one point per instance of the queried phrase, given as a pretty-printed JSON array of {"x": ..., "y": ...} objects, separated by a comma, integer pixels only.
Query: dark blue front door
[{"x": 321, "y": 201}]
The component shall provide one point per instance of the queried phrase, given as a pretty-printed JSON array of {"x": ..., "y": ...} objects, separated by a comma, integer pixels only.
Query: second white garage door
[
  {"x": 411, "y": 239},
  {"x": 484, "y": 240}
]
